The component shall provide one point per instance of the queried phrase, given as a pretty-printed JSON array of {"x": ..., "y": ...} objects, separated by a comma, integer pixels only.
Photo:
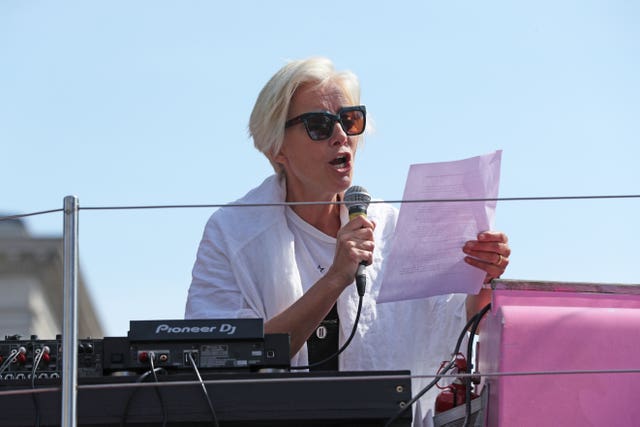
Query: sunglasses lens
[
  {"x": 319, "y": 127},
  {"x": 352, "y": 122}
]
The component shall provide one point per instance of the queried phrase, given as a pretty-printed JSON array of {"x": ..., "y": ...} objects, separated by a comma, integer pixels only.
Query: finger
[
  {"x": 357, "y": 245},
  {"x": 502, "y": 261},
  {"x": 492, "y": 270},
  {"x": 486, "y": 251},
  {"x": 360, "y": 221},
  {"x": 367, "y": 257},
  {"x": 489, "y": 262},
  {"x": 493, "y": 236},
  {"x": 361, "y": 245},
  {"x": 348, "y": 233}
]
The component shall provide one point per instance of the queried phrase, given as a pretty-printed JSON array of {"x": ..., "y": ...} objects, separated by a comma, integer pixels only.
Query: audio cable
[
  {"x": 467, "y": 380},
  {"x": 152, "y": 372},
  {"x": 14, "y": 355},
  {"x": 36, "y": 363},
  {"x": 214, "y": 417},
  {"x": 152, "y": 356}
]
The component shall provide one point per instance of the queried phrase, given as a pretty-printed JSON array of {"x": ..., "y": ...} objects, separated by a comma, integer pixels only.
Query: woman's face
[{"x": 317, "y": 170}]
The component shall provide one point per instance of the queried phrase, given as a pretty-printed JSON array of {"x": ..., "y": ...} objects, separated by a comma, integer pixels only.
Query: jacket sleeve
[{"x": 214, "y": 291}]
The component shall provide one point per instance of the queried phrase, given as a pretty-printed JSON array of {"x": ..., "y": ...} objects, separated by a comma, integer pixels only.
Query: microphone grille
[{"x": 356, "y": 195}]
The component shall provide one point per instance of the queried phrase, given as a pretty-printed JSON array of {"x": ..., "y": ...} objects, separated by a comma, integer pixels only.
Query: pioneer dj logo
[{"x": 224, "y": 328}]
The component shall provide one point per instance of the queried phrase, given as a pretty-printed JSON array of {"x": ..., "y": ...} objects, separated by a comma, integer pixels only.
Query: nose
[{"x": 339, "y": 136}]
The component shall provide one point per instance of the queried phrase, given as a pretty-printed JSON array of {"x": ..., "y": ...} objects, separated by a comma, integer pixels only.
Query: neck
[{"x": 325, "y": 217}]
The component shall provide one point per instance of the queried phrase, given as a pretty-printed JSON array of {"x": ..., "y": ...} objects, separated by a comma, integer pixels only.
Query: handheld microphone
[{"x": 357, "y": 201}]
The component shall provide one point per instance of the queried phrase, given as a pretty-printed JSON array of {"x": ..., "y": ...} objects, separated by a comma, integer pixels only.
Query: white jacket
[{"x": 246, "y": 267}]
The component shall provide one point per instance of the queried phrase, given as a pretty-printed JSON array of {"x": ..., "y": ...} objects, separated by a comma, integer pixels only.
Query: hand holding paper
[{"x": 426, "y": 258}]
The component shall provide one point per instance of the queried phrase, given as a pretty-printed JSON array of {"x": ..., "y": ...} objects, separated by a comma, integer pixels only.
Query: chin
[{"x": 345, "y": 183}]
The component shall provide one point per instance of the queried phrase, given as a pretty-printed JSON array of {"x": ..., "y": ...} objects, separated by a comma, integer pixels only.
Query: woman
[{"x": 290, "y": 265}]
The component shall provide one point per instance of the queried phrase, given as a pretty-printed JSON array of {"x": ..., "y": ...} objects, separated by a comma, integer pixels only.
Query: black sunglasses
[{"x": 320, "y": 125}]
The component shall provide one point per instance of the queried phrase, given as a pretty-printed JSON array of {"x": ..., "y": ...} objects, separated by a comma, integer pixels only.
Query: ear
[{"x": 280, "y": 158}]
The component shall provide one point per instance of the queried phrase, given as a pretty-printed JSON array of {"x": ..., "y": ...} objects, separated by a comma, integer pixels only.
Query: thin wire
[
  {"x": 36, "y": 363},
  {"x": 204, "y": 389},
  {"x": 155, "y": 378},
  {"x": 344, "y": 346},
  {"x": 14, "y": 356},
  {"x": 551, "y": 373},
  {"x": 470, "y": 366},
  {"x": 310, "y": 379},
  {"x": 516, "y": 199},
  {"x": 249, "y": 205},
  {"x": 462, "y": 200},
  {"x": 138, "y": 384},
  {"x": 10, "y": 217}
]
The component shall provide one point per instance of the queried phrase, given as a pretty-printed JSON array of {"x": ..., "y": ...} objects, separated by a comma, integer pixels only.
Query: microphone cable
[
  {"x": 475, "y": 319},
  {"x": 344, "y": 346},
  {"x": 357, "y": 200}
]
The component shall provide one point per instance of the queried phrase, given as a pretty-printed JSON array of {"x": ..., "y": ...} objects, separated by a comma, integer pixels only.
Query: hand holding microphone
[{"x": 357, "y": 201}]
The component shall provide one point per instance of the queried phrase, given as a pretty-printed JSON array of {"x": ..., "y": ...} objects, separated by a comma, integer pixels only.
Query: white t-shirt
[{"x": 314, "y": 250}]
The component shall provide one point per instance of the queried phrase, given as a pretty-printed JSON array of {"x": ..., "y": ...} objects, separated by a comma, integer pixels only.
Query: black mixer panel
[
  {"x": 247, "y": 377},
  {"x": 23, "y": 359}
]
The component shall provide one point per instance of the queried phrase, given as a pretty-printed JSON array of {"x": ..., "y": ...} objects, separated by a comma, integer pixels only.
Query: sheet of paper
[{"x": 426, "y": 257}]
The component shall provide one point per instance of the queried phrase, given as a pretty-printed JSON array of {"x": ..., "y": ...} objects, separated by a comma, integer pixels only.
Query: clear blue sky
[{"x": 147, "y": 102}]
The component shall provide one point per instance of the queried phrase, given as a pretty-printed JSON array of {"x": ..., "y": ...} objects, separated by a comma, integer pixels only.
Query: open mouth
[{"x": 342, "y": 161}]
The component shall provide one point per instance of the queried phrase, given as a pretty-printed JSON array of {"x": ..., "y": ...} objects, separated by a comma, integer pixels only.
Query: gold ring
[{"x": 499, "y": 260}]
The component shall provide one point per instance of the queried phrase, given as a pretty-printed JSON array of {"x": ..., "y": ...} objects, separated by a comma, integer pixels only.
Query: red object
[
  {"x": 455, "y": 393},
  {"x": 452, "y": 396}
]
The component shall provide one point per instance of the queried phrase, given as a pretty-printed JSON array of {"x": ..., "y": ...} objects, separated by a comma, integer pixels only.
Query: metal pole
[{"x": 70, "y": 321}]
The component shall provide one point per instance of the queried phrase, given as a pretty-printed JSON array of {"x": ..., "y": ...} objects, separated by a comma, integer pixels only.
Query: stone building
[{"x": 31, "y": 286}]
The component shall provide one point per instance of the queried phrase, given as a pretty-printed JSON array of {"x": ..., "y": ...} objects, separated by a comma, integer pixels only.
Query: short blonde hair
[{"x": 266, "y": 125}]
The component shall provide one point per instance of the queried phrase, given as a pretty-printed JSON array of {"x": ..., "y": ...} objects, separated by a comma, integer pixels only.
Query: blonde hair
[{"x": 266, "y": 125}]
